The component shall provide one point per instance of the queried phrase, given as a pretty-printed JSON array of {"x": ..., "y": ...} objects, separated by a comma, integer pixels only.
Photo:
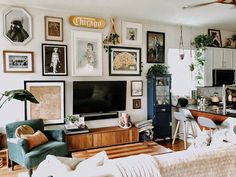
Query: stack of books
[{"x": 73, "y": 129}]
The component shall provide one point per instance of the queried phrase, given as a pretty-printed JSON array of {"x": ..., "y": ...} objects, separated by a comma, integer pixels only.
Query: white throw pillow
[
  {"x": 56, "y": 166},
  {"x": 91, "y": 163}
]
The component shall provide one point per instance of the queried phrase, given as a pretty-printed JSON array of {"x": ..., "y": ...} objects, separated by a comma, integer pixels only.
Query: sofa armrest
[
  {"x": 17, "y": 148},
  {"x": 56, "y": 135}
]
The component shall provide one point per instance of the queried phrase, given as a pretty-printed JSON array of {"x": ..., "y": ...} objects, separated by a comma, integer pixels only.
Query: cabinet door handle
[{"x": 163, "y": 109}]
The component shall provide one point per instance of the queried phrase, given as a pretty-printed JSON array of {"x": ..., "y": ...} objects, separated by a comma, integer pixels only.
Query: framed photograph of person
[
  {"x": 137, "y": 88},
  {"x": 136, "y": 103},
  {"x": 17, "y": 25},
  {"x": 51, "y": 97},
  {"x": 86, "y": 53},
  {"x": 53, "y": 28},
  {"x": 124, "y": 61},
  {"x": 18, "y": 61},
  {"x": 155, "y": 47},
  {"x": 216, "y": 37},
  {"x": 132, "y": 33},
  {"x": 54, "y": 60}
]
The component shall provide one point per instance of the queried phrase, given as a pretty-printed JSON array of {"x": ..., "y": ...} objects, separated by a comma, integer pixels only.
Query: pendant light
[{"x": 181, "y": 44}]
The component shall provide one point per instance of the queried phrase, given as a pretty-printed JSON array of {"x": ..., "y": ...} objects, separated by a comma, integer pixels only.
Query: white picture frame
[
  {"x": 86, "y": 53},
  {"x": 14, "y": 17},
  {"x": 51, "y": 97},
  {"x": 132, "y": 33}
]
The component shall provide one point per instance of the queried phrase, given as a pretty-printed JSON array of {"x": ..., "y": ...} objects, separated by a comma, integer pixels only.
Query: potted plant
[
  {"x": 157, "y": 69},
  {"x": 21, "y": 94}
]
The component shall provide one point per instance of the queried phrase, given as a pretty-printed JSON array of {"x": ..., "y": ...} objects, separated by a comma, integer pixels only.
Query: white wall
[{"x": 14, "y": 110}]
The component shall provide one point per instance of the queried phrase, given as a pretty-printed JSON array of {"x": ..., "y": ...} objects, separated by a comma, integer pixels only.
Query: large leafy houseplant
[
  {"x": 200, "y": 43},
  {"x": 158, "y": 69},
  {"x": 21, "y": 94}
]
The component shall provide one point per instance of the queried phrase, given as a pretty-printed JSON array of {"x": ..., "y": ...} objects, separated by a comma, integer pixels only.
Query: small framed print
[
  {"x": 54, "y": 60},
  {"x": 18, "y": 61},
  {"x": 53, "y": 28},
  {"x": 132, "y": 33},
  {"x": 136, "y": 103},
  {"x": 124, "y": 61},
  {"x": 86, "y": 53},
  {"x": 17, "y": 23},
  {"x": 51, "y": 97},
  {"x": 216, "y": 37},
  {"x": 155, "y": 47},
  {"x": 137, "y": 88}
]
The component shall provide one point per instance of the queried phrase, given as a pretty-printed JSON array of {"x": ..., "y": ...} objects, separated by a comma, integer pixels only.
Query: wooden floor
[{"x": 178, "y": 146}]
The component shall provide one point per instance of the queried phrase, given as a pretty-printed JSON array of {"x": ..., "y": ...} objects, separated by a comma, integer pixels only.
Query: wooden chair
[{"x": 179, "y": 116}]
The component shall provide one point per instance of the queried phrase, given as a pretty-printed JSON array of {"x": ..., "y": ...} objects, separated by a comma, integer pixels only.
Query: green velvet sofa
[{"x": 18, "y": 148}]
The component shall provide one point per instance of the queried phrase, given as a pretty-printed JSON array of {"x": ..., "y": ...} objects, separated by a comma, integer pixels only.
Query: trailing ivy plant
[
  {"x": 157, "y": 69},
  {"x": 200, "y": 43}
]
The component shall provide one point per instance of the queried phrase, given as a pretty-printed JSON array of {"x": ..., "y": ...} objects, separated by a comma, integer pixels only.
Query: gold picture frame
[
  {"x": 18, "y": 61},
  {"x": 53, "y": 28}
]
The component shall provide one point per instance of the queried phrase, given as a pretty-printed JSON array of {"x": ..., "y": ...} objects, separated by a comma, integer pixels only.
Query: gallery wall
[{"x": 14, "y": 110}]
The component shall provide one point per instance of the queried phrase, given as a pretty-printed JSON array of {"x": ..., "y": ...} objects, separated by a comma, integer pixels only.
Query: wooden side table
[{"x": 4, "y": 155}]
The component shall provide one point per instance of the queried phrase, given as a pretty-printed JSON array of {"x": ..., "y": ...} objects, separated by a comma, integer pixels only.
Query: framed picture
[
  {"x": 136, "y": 103},
  {"x": 51, "y": 97},
  {"x": 124, "y": 61},
  {"x": 17, "y": 24},
  {"x": 132, "y": 33},
  {"x": 53, "y": 28},
  {"x": 216, "y": 37},
  {"x": 18, "y": 61},
  {"x": 137, "y": 88},
  {"x": 86, "y": 53},
  {"x": 54, "y": 60},
  {"x": 155, "y": 47}
]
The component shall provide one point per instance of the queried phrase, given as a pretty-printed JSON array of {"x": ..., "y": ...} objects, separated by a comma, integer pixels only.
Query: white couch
[{"x": 210, "y": 161}]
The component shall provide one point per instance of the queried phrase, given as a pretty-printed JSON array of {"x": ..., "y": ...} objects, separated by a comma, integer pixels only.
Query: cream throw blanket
[{"x": 134, "y": 166}]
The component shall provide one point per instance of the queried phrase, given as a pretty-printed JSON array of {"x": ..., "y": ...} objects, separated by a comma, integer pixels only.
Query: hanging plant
[
  {"x": 158, "y": 69},
  {"x": 200, "y": 43}
]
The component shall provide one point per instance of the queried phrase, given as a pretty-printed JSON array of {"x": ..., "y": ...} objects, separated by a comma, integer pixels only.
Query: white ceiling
[{"x": 216, "y": 16}]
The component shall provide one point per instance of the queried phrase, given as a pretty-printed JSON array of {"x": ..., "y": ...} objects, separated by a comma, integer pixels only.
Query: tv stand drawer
[{"x": 101, "y": 137}]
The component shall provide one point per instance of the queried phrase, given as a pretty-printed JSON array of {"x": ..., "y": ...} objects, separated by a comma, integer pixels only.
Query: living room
[{"x": 84, "y": 31}]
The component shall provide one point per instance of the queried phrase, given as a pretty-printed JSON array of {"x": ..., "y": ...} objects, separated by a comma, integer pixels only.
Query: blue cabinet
[{"x": 159, "y": 105}]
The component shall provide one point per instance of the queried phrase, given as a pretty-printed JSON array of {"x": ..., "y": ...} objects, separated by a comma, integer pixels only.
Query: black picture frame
[
  {"x": 217, "y": 42},
  {"x": 54, "y": 68},
  {"x": 136, "y": 88},
  {"x": 42, "y": 89},
  {"x": 155, "y": 54},
  {"x": 119, "y": 59},
  {"x": 137, "y": 104}
]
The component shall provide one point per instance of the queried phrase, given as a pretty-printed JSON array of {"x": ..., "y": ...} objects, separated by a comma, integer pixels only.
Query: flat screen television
[{"x": 93, "y": 97}]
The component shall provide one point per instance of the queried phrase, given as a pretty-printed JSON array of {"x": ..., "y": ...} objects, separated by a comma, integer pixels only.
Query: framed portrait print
[
  {"x": 51, "y": 97},
  {"x": 137, "y": 88},
  {"x": 216, "y": 37},
  {"x": 53, "y": 28},
  {"x": 54, "y": 60},
  {"x": 132, "y": 33},
  {"x": 17, "y": 24},
  {"x": 86, "y": 53},
  {"x": 136, "y": 103},
  {"x": 155, "y": 47},
  {"x": 18, "y": 61},
  {"x": 124, "y": 61}
]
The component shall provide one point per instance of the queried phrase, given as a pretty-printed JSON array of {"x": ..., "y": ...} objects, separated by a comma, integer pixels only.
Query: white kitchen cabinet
[{"x": 217, "y": 58}]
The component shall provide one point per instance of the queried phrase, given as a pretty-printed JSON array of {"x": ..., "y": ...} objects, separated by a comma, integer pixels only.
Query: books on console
[{"x": 73, "y": 129}]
